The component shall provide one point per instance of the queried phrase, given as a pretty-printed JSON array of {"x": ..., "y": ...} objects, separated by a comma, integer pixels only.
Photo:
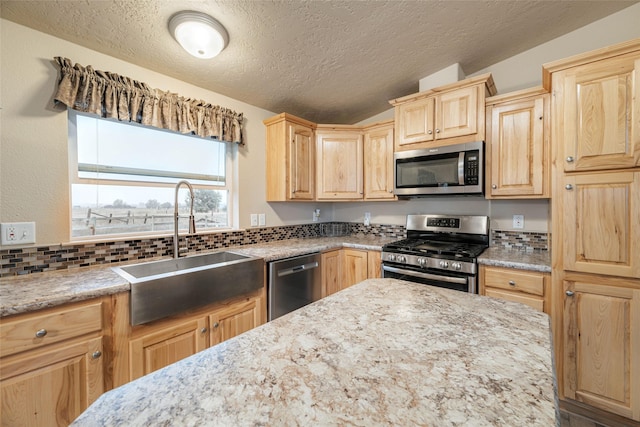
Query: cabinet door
[
  {"x": 599, "y": 121},
  {"x": 340, "y": 161},
  {"x": 174, "y": 341},
  {"x": 415, "y": 122},
  {"x": 51, "y": 386},
  {"x": 378, "y": 163},
  {"x": 235, "y": 319},
  {"x": 601, "y": 224},
  {"x": 331, "y": 272},
  {"x": 355, "y": 267},
  {"x": 518, "y": 144},
  {"x": 302, "y": 162},
  {"x": 457, "y": 113},
  {"x": 374, "y": 261},
  {"x": 601, "y": 342}
]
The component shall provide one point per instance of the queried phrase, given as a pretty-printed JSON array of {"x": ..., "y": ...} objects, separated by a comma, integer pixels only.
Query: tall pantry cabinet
[{"x": 595, "y": 107}]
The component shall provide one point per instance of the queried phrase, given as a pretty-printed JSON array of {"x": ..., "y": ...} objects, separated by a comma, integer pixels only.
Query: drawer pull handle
[
  {"x": 569, "y": 159},
  {"x": 216, "y": 324},
  {"x": 569, "y": 187},
  {"x": 41, "y": 333},
  {"x": 96, "y": 354},
  {"x": 203, "y": 330},
  {"x": 512, "y": 283},
  {"x": 569, "y": 293}
]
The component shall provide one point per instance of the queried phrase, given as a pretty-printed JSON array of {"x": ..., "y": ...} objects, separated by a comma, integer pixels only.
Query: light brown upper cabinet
[
  {"x": 449, "y": 114},
  {"x": 378, "y": 161},
  {"x": 599, "y": 123},
  {"x": 339, "y": 156},
  {"x": 290, "y": 154},
  {"x": 517, "y": 148}
]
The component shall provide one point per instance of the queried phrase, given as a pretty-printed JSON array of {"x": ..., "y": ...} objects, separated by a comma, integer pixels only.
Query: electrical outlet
[
  {"x": 254, "y": 220},
  {"x": 367, "y": 218},
  {"x": 262, "y": 219},
  {"x": 518, "y": 221},
  {"x": 316, "y": 215},
  {"x": 18, "y": 233}
]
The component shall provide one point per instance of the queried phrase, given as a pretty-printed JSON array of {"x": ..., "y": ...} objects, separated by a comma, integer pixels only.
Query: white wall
[
  {"x": 518, "y": 72},
  {"x": 34, "y": 184}
]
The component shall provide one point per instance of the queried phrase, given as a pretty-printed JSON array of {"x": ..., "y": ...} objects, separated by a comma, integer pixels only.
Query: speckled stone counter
[
  {"x": 382, "y": 352},
  {"x": 21, "y": 294},
  {"x": 499, "y": 256}
]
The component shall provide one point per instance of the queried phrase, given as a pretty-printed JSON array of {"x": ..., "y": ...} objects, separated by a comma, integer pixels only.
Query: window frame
[{"x": 230, "y": 175}]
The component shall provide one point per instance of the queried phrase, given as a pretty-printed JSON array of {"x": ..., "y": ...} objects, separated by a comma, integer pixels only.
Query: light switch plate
[
  {"x": 262, "y": 219},
  {"x": 254, "y": 220},
  {"x": 18, "y": 233}
]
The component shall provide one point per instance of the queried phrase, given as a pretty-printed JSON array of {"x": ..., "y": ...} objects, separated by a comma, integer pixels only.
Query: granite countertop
[
  {"x": 382, "y": 352},
  {"x": 21, "y": 294},
  {"x": 499, "y": 256}
]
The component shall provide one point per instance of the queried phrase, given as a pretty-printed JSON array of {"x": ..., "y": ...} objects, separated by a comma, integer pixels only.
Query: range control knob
[
  {"x": 456, "y": 265},
  {"x": 402, "y": 259},
  {"x": 422, "y": 262},
  {"x": 391, "y": 257},
  {"x": 444, "y": 264}
]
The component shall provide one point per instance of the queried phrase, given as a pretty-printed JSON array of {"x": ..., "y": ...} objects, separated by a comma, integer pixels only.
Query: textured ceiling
[{"x": 326, "y": 61}]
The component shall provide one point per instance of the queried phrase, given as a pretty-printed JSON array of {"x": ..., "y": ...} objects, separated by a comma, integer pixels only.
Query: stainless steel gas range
[{"x": 439, "y": 250}]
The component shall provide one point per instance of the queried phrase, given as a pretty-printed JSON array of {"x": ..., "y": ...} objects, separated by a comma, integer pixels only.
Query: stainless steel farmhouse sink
[{"x": 167, "y": 287}]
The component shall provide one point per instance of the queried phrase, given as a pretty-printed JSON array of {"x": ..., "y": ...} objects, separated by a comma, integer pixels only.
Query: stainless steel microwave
[{"x": 450, "y": 169}]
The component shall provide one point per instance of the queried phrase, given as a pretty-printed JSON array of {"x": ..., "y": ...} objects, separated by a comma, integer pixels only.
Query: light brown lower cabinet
[
  {"x": 523, "y": 286},
  {"x": 342, "y": 268},
  {"x": 601, "y": 362},
  {"x": 158, "y": 344},
  {"x": 52, "y": 365}
]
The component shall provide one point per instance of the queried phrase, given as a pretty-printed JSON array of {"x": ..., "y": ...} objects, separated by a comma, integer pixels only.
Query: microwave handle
[{"x": 461, "y": 168}]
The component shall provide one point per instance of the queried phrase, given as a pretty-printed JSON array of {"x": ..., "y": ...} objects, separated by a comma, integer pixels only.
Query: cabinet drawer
[
  {"x": 522, "y": 281},
  {"x": 531, "y": 301},
  {"x": 38, "y": 329}
]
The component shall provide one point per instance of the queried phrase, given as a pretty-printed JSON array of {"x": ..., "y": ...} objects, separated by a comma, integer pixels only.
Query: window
[{"x": 123, "y": 178}]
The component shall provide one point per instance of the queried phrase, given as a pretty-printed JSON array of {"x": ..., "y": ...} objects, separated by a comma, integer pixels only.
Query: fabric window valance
[{"x": 113, "y": 96}]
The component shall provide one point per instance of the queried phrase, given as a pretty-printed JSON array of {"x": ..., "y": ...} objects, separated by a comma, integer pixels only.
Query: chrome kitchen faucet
[{"x": 176, "y": 217}]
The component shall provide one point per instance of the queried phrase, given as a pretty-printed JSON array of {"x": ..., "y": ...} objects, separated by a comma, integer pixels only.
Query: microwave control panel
[{"x": 471, "y": 167}]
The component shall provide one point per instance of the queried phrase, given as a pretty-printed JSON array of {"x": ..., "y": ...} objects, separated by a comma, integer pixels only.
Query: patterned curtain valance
[{"x": 110, "y": 95}]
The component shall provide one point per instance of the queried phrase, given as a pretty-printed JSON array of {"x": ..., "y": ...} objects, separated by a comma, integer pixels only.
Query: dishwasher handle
[{"x": 298, "y": 268}]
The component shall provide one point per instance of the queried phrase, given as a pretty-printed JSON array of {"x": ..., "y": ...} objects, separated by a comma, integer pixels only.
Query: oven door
[{"x": 458, "y": 282}]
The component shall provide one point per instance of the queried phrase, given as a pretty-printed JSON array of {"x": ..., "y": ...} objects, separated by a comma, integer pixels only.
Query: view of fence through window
[{"x": 124, "y": 179}]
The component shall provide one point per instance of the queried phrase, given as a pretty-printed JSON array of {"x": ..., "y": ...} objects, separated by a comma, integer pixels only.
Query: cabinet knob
[
  {"x": 540, "y": 118},
  {"x": 437, "y": 130},
  {"x": 494, "y": 186},
  {"x": 41, "y": 333},
  {"x": 569, "y": 293},
  {"x": 569, "y": 187},
  {"x": 216, "y": 324},
  {"x": 429, "y": 131},
  {"x": 203, "y": 330},
  {"x": 96, "y": 354},
  {"x": 570, "y": 159},
  {"x": 512, "y": 283}
]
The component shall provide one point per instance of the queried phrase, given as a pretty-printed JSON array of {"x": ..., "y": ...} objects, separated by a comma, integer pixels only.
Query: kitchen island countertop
[{"x": 382, "y": 352}]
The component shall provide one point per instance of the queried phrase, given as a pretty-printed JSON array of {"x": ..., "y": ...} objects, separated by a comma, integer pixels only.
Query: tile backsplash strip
[
  {"x": 16, "y": 261},
  {"x": 61, "y": 257},
  {"x": 520, "y": 240}
]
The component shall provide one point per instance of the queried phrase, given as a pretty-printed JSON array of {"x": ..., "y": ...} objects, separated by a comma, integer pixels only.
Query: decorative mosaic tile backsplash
[
  {"x": 61, "y": 257},
  {"x": 520, "y": 240}
]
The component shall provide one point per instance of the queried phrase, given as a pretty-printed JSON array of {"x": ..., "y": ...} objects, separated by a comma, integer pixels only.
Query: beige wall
[{"x": 33, "y": 152}]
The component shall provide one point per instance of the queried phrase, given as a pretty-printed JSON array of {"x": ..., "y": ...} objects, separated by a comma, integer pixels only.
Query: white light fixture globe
[{"x": 198, "y": 33}]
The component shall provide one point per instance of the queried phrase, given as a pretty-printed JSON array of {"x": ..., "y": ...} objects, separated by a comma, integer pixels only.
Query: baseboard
[{"x": 599, "y": 416}]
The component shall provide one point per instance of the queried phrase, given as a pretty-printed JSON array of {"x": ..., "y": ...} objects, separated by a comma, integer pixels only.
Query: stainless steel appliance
[
  {"x": 439, "y": 250},
  {"x": 293, "y": 283},
  {"x": 451, "y": 169}
]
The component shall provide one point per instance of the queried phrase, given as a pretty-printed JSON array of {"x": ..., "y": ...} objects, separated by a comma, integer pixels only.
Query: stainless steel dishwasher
[{"x": 293, "y": 283}]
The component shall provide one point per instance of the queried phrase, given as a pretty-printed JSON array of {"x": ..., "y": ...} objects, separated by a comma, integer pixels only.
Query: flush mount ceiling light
[{"x": 198, "y": 33}]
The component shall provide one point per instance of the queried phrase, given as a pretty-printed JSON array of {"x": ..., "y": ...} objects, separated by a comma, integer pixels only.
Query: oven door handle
[{"x": 458, "y": 280}]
